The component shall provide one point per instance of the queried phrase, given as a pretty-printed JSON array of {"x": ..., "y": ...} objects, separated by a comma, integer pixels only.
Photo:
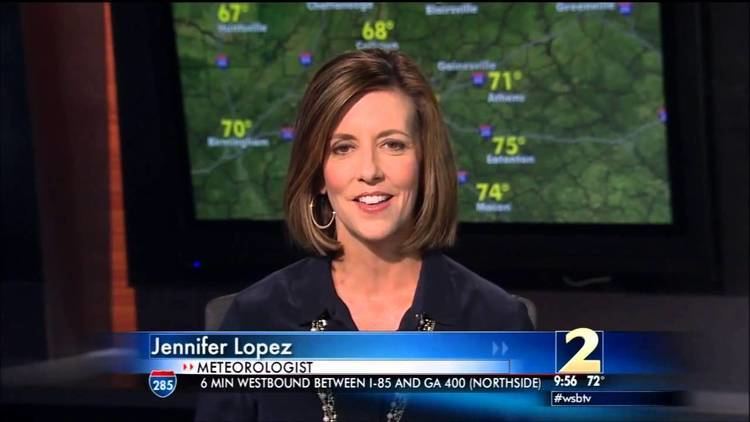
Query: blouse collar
[{"x": 314, "y": 295}]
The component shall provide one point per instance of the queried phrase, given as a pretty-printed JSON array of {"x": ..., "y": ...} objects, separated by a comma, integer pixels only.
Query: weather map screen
[{"x": 556, "y": 111}]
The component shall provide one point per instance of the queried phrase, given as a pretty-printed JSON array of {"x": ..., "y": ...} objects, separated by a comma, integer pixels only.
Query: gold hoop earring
[{"x": 312, "y": 216}]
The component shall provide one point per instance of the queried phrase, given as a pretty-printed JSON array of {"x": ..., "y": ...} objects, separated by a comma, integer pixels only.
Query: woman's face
[{"x": 372, "y": 171}]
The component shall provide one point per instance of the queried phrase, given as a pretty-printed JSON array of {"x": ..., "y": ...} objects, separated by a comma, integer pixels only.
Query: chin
[{"x": 376, "y": 234}]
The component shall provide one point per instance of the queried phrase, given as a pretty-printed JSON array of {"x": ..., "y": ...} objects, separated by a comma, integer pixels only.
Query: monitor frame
[{"x": 167, "y": 244}]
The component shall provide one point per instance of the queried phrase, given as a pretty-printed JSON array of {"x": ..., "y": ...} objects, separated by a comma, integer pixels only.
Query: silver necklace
[{"x": 398, "y": 404}]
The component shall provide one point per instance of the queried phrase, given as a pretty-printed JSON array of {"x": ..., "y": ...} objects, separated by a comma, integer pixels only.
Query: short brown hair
[{"x": 334, "y": 89}]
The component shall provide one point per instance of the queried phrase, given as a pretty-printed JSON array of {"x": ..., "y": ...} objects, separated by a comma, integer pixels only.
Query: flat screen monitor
[{"x": 579, "y": 131}]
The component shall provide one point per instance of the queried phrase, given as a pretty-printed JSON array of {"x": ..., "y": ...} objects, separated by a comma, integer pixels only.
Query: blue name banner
[{"x": 580, "y": 351}]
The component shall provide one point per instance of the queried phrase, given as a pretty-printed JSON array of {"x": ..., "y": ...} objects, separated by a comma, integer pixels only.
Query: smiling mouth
[{"x": 373, "y": 199}]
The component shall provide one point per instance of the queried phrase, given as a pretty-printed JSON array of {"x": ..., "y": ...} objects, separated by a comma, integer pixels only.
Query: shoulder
[
  {"x": 273, "y": 302},
  {"x": 482, "y": 304}
]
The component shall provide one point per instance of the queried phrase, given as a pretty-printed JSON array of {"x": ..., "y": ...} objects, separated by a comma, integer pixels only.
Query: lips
[
  {"x": 373, "y": 202},
  {"x": 373, "y": 198}
]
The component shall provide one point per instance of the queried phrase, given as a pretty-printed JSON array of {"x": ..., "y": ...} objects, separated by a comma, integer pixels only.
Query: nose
[{"x": 370, "y": 171}]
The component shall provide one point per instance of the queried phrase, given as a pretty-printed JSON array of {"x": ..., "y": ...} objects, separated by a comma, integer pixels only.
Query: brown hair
[{"x": 334, "y": 89}]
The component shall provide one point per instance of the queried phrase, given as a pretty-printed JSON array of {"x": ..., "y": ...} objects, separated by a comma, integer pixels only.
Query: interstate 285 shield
[{"x": 162, "y": 383}]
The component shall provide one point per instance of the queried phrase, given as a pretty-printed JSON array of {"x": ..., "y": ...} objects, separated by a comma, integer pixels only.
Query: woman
[{"x": 371, "y": 192}]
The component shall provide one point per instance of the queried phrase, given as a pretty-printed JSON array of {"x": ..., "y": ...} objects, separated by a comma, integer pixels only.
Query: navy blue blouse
[{"x": 292, "y": 298}]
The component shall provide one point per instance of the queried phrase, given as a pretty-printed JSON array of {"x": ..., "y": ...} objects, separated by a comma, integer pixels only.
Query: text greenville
[{"x": 203, "y": 347}]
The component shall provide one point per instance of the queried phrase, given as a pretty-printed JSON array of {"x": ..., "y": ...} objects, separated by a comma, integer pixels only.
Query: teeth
[{"x": 372, "y": 199}]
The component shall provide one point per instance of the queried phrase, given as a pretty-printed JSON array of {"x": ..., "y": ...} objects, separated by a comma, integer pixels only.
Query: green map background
[{"x": 593, "y": 84}]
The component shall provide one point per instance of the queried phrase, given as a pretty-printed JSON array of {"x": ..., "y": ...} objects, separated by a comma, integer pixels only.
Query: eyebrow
[{"x": 346, "y": 136}]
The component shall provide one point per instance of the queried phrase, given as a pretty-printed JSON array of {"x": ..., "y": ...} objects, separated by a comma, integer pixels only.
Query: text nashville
[{"x": 202, "y": 347}]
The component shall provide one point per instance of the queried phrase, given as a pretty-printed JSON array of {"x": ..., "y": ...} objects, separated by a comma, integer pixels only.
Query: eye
[
  {"x": 341, "y": 148},
  {"x": 395, "y": 145}
]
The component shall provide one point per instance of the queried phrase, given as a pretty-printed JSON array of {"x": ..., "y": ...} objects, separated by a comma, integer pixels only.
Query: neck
[{"x": 375, "y": 269}]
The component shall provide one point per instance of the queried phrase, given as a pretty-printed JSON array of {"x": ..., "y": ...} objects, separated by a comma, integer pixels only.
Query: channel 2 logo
[
  {"x": 162, "y": 383},
  {"x": 579, "y": 351}
]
